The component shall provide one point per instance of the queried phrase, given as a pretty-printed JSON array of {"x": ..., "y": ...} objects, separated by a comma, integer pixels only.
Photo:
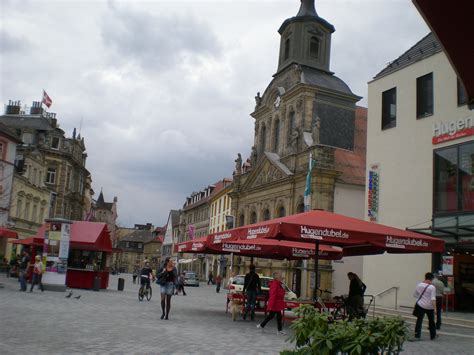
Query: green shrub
[{"x": 314, "y": 333}]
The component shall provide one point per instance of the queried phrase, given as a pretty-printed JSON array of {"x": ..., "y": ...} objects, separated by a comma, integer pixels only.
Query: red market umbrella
[
  {"x": 280, "y": 249},
  {"x": 356, "y": 237},
  {"x": 334, "y": 229},
  {"x": 197, "y": 245},
  {"x": 8, "y": 233}
]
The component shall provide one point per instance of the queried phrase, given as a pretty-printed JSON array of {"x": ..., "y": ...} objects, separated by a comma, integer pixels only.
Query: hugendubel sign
[{"x": 448, "y": 131}]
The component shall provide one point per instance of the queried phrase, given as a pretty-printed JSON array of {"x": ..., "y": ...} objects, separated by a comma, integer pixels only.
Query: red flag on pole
[{"x": 46, "y": 99}]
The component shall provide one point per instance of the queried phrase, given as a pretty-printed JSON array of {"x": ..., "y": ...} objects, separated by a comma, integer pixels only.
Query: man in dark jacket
[
  {"x": 355, "y": 301},
  {"x": 24, "y": 264},
  {"x": 251, "y": 287}
]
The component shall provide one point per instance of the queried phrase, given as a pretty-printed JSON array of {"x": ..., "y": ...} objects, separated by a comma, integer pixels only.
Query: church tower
[
  {"x": 305, "y": 104},
  {"x": 305, "y": 39}
]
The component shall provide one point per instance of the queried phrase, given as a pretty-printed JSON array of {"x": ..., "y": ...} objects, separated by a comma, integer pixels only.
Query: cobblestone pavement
[{"x": 116, "y": 322}]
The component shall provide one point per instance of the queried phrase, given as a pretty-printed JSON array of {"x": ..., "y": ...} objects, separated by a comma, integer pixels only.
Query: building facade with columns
[{"x": 305, "y": 112}]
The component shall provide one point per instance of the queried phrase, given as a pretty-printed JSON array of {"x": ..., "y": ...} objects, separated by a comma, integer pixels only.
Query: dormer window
[
  {"x": 287, "y": 48},
  {"x": 314, "y": 47},
  {"x": 55, "y": 143}
]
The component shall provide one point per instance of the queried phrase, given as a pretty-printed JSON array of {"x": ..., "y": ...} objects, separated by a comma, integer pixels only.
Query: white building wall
[
  {"x": 405, "y": 157},
  {"x": 348, "y": 201}
]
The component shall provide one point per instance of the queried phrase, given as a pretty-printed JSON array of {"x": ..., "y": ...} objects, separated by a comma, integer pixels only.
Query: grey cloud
[
  {"x": 10, "y": 44},
  {"x": 157, "y": 42}
]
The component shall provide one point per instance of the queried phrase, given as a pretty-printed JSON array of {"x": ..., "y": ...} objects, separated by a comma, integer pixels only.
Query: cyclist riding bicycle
[{"x": 146, "y": 275}]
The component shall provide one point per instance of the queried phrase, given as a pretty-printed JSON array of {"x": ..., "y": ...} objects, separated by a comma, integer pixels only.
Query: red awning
[
  {"x": 280, "y": 249},
  {"x": 86, "y": 236},
  {"x": 451, "y": 22},
  {"x": 8, "y": 233},
  {"x": 28, "y": 241},
  {"x": 334, "y": 229}
]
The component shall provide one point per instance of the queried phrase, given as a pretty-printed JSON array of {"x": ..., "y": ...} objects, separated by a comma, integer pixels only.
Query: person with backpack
[{"x": 355, "y": 300}]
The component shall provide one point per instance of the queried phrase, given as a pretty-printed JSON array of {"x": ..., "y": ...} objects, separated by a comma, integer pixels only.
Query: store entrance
[{"x": 460, "y": 259}]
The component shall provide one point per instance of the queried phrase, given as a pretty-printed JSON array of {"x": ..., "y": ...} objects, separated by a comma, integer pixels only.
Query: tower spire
[{"x": 307, "y": 9}]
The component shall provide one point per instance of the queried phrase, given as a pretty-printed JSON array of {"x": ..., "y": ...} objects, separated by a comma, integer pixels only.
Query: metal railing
[{"x": 383, "y": 293}]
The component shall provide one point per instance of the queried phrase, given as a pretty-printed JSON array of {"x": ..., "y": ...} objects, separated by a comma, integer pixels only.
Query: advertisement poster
[
  {"x": 65, "y": 239},
  {"x": 373, "y": 193},
  {"x": 448, "y": 264},
  {"x": 450, "y": 286}
]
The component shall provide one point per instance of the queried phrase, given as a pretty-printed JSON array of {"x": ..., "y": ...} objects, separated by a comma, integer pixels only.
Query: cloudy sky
[{"x": 164, "y": 88}]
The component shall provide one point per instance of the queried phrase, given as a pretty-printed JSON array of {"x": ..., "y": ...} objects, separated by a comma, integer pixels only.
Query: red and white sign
[
  {"x": 448, "y": 131},
  {"x": 448, "y": 265}
]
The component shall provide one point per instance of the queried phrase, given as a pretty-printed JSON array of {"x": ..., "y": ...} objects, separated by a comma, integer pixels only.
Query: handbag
[
  {"x": 161, "y": 278},
  {"x": 417, "y": 311}
]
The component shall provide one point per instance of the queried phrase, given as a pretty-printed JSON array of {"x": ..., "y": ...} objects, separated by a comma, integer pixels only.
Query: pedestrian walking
[
  {"x": 180, "y": 287},
  {"x": 168, "y": 279},
  {"x": 355, "y": 300},
  {"x": 210, "y": 278},
  {"x": 37, "y": 274},
  {"x": 425, "y": 293},
  {"x": 135, "y": 274},
  {"x": 276, "y": 303},
  {"x": 24, "y": 264},
  {"x": 252, "y": 286},
  {"x": 439, "y": 286},
  {"x": 218, "y": 283}
]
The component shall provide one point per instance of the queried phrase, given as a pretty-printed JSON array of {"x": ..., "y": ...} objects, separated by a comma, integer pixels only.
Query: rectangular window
[
  {"x": 19, "y": 205},
  {"x": 454, "y": 179},
  {"x": 51, "y": 176},
  {"x": 389, "y": 108},
  {"x": 462, "y": 97},
  {"x": 55, "y": 143},
  {"x": 41, "y": 215},
  {"x": 27, "y": 211},
  {"x": 34, "y": 216},
  {"x": 424, "y": 95}
]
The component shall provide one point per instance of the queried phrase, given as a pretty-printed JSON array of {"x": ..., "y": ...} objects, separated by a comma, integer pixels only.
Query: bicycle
[{"x": 145, "y": 292}]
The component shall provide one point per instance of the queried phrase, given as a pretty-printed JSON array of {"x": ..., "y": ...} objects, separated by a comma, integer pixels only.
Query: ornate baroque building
[
  {"x": 63, "y": 159},
  {"x": 305, "y": 111}
]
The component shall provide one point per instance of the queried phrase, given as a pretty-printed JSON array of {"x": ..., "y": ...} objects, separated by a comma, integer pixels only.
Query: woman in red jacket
[{"x": 276, "y": 302}]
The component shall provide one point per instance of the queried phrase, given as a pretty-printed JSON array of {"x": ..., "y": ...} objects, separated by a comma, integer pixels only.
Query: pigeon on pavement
[
  {"x": 77, "y": 297},
  {"x": 69, "y": 295}
]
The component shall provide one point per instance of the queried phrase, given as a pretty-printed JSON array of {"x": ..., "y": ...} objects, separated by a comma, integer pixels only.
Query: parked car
[
  {"x": 236, "y": 284},
  {"x": 191, "y": 279}
]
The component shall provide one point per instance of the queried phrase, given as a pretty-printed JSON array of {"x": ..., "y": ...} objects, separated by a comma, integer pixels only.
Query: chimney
[
  {"x": 13, "y": 108},
  {"x": 36, "y": 108}
]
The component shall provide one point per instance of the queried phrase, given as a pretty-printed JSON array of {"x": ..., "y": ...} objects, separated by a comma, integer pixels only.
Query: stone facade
[
  {"x": 8, "y": 143},
  {"x": 306, "y": 111},
  {"x": 64, "y": 158}
]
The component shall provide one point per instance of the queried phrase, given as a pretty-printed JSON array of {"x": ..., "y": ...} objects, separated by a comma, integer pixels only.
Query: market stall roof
[
  {"x": 28, "y": 241},
  {"x": 451, "y": 22},
  {"x": 280, "y": 249},
  {"x": 86, "y": 236},
  {"x": 8, "y": 233},
  {"x": 361, "y": 237}
]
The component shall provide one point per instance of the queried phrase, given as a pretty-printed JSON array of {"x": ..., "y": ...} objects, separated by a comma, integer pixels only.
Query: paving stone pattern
[{"x": 117, "y": 323}]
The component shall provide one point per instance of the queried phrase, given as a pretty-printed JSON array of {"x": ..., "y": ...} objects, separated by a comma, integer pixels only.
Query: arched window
[
  {"x": 263, "y": 138},
  {"x": 276, "y": 138},
  {"x": 300, "y": 207},
  {"x": 241, "y": 220},
  {"x": 281, "y": 212},
  {"x": 253, "y": 217},
  {"x": 266, "y": 215},
  {"x": 287, "y": 49},
  {"x": 314, "y": 47}
]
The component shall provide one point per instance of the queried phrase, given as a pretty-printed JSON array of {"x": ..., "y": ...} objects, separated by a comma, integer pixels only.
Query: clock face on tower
[{"x": 277, "y": 102}]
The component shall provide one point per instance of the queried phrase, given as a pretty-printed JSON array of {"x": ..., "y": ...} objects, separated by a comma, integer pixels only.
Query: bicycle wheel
[
  {"x": 148, "y": 294},
  {"x": 140, "y": 293}
]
